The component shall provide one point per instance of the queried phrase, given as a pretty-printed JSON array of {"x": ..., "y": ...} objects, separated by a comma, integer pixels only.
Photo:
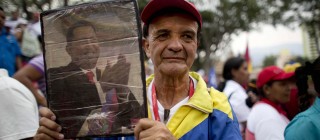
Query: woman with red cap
[{"x": 267, "y": 119}]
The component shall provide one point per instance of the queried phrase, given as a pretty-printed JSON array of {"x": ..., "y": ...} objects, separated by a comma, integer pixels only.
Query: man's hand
[
  {"x": 49, "y": 129},
  {"x": 41, "y": 101},
  {"x": 147, "y": 129},
  {"x": 253, "y": 97}
]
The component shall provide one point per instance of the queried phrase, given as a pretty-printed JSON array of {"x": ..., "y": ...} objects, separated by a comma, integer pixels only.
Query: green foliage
[
  {"x": 301, "y": 60},
  {"x": 269, "y": 60},
  {"x": 142, "y": 4},
  {"x": 222, "y": 19},
  {"x": 227, "y": 18},
  {"x": 26, "y": 6}
]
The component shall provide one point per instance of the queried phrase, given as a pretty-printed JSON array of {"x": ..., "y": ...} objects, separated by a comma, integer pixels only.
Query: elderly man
[{"x": 179, "y": 104}]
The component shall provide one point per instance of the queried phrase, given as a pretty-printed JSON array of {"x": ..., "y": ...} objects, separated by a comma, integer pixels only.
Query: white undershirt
[{"x": 173, "y": 110}]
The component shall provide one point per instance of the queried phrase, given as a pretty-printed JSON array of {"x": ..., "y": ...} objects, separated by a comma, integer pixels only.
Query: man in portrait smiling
[{"x": 78, "y": 89}]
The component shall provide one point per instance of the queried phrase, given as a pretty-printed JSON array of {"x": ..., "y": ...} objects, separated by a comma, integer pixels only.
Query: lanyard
[{"x": 154, "y": 99}]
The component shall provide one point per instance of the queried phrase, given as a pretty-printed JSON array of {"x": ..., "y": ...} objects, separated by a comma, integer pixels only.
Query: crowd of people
[{"x": 276, "y": 105}]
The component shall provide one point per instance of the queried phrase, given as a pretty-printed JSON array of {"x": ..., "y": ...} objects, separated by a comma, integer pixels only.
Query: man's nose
[
  {"x": 89, "y": 47},
  {"x": 175, "y": 44}
]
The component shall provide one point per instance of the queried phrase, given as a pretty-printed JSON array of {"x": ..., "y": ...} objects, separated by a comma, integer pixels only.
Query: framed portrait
[{"x": 94, "y": 68}]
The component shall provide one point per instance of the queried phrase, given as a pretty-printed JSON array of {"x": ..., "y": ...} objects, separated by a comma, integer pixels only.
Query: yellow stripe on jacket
[{"x": 198, "y": 108}]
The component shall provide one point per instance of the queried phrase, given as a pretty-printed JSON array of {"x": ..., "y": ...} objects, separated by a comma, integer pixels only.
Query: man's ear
[{"x": 146, "y": 48}]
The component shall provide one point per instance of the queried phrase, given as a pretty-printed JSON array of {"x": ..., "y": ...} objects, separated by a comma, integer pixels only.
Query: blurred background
[{"x": 265, "y": 32}]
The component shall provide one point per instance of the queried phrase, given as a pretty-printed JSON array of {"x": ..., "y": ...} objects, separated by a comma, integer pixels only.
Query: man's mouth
[{"x": 174, "y": 58}]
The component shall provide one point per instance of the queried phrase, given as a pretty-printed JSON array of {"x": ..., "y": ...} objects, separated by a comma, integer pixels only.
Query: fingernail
[
  {"x": 59, "y": 129},
  {"x": 53, "y": 118},
  {"x": 61, "y": 136}
]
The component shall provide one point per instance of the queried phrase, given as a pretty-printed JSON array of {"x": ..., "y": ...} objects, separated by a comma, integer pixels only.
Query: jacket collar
[
  {"x": 201, "y": 99},
  {"x": 276, "y": 106}
]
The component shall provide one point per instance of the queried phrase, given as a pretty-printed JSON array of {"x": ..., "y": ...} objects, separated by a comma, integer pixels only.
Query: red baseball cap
[
  {"x": 272, "y": 73},
  {"x": 155, "y": 6}
]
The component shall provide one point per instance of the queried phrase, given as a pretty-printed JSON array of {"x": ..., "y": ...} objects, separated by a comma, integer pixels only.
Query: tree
[
  {"x": 231, "y": 16},
  {"x": 269, "y": 60},
  {"x": 221, "y": 20},
  {"x": 305, "y": 12},
  {"x": 27, "y": 6},
  {"x": 228, "y": 18}
]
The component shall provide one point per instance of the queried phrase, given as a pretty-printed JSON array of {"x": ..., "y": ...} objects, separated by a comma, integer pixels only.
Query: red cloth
[
  {"x": 90, "y": 76},
  {"x": 249, "y": 135},
  {"x": 278, "y": 107},
  {"x": 292, "y": 107}
]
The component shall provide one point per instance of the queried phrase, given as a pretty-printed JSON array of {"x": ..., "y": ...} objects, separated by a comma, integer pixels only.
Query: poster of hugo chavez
[{"x": 94, "y": 68}]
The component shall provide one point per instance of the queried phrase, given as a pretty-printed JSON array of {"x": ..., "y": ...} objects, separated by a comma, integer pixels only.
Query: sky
[{"x": 268, "y": 40}]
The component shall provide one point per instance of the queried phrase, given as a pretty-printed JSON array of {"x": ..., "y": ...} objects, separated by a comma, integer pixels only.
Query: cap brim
[
  {"x": 284, "y": 76},
  {"x": 155, "y": 6}
]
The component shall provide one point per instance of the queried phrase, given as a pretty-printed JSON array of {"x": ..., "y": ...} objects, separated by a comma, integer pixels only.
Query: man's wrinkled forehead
[
  {"x": 83, "y": 32},
  {"x": 166, "y": 13},
  {"x": 171, "y": 12},
  {"x": 156, "y": 7},
  {"x": 162, "y": 20}
]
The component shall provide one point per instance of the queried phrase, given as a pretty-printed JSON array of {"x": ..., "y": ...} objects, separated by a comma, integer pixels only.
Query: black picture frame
[{"x": 82, "y": 108}]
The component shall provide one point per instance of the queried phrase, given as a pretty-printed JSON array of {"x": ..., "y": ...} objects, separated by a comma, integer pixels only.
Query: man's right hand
[
  {"x": 41, "y": 100},
  {"x": 49, "y": 129}
]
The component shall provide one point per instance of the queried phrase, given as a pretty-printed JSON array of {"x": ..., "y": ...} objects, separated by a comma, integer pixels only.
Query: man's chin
[{"x": 174, "y": 70}]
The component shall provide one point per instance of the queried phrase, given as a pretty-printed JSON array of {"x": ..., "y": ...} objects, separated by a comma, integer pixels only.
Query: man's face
[
  {"x": 84, "y": 50},
  {"x": 172, "y": 43},
  {"x": 2, "y": 19}
]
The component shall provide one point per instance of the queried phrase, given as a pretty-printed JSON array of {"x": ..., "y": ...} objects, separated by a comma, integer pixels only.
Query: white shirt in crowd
[
  {"x": 35, "y": 28},
  {"x": 266, "y": 123},
  {"x": 14, "y": 23},
  {"x": 18, "y": 109},
  {"x": 237, "y": 97}
]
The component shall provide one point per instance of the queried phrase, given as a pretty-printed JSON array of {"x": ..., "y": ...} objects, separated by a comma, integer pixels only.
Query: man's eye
[
  {"x": 162, "y": 36},
  {"x": 187, "y": 37}
]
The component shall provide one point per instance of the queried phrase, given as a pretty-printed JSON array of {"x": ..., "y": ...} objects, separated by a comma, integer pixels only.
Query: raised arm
[{"x": 28, "y": 74}]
